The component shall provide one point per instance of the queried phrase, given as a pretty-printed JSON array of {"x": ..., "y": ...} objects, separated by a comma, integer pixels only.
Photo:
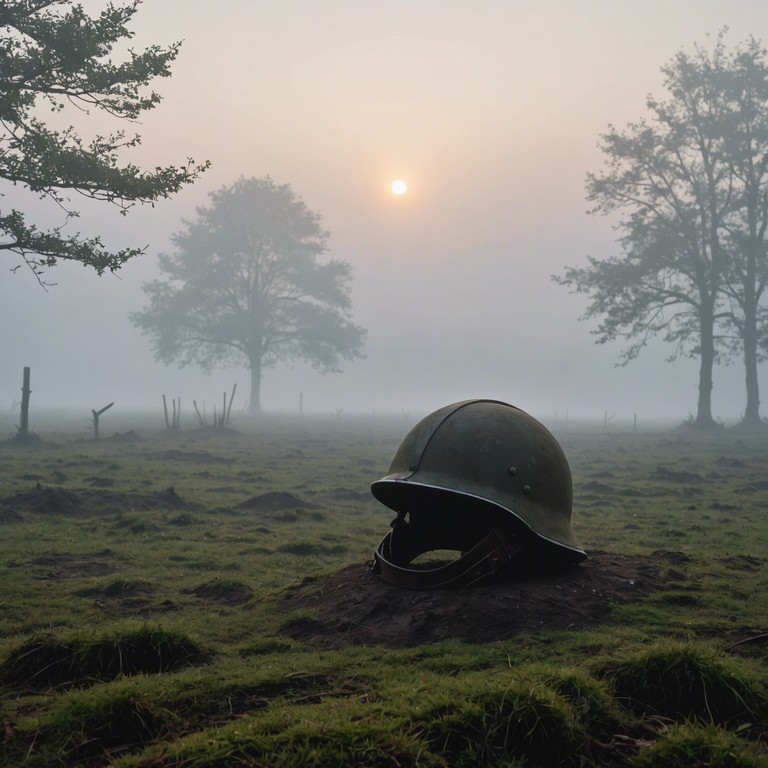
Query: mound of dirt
[
  {"x": 354, "y": 606},
  {"x": 65, "y": 565},
  {"x": 662, "y": 473},
  {"x": 59, "y": 501},
  {"x": 45, "y": 501},
  {"x": 9, "y": 516},
  {"x": 273, "y": 501}
]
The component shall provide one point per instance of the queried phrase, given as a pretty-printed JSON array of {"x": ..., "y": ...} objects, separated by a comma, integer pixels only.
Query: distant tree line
[{"x": 689, "y": 184}]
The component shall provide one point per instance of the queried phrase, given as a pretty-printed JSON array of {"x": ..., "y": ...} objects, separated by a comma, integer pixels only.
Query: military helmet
[{"x": 482, "y": 478}]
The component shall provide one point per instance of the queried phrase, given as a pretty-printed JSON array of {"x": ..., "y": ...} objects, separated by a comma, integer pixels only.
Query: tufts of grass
[
  {"x": 361, "y": 744},
  {"x": 49, "y": 661},
  {"x": 447, "y": 657},
  {"x": 591, "y": 700},
  {"x": 683, "y": 681},
  {"x": 87, "y": 729},
  {"x": 261, "y": 646},
  {"x": 498, "y": 725},
  {"x": 700, "y": 746},
  {"x": 118, "y": 589},
  {"x": 137, "y": 525},
  {"x": 308, "y": 548},
  {"x": 226, "y": 591},
  {"x": 299, "y": 618}
]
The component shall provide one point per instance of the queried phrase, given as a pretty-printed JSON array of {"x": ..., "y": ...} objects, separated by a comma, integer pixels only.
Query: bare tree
[{"x": 689, "y": 186}]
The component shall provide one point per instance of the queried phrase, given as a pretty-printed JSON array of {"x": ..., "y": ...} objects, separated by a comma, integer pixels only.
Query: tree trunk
[
  {"x": 255, "y": 365},
  {"x": 752, "y": 410},
  {"x": 704, "y": 410},
  {"x": 750, "y": 301}
]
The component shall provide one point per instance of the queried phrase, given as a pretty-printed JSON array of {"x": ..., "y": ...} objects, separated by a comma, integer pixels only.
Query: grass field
[{"x": 145, "y": 619}]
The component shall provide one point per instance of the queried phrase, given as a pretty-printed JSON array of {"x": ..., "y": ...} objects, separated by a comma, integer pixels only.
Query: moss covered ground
[{"x": 143, "y": 578}]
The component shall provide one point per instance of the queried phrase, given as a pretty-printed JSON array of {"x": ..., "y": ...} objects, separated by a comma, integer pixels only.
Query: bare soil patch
[{"x": 355, "y": 606}]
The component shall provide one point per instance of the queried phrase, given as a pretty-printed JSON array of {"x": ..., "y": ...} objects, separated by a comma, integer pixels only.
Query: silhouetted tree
[
  {"x": 745, "y": 82},
  {"x": 54, "y": 55},
  {"x": 685, "y": 183},
  {"x": 248, "y": 282}
]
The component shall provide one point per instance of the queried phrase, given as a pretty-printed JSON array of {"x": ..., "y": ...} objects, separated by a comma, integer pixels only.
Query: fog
[{"x": 490, "y": 110}]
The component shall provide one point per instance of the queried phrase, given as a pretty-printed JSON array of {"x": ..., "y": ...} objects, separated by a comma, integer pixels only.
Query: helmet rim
[{"x": 393, "y": 491}]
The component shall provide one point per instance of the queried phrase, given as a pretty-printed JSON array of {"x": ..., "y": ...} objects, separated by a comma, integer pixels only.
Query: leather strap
[{"x": 481, "y": 562}]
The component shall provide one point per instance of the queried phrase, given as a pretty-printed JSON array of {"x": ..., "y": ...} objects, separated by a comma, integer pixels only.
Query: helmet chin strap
[{"x": 481, "y": 562}]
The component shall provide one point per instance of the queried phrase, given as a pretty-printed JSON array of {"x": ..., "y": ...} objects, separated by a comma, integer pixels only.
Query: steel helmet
[{"x": 483, "y": 478}]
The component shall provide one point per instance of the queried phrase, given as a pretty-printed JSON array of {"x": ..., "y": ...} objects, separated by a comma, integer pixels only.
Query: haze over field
[{"x": 489, "y": 111}]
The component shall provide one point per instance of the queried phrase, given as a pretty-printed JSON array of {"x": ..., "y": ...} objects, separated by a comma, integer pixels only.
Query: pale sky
[{"x": 490, "y": 111}]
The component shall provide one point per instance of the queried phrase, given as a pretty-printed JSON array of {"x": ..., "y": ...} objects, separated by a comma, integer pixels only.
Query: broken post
[
  {"x": 25, "y": 393},
  {"x": 200, "y": 417},
  {"x": 175, "y": 420},
  {"x": 96, "y": 415},
  {"x": 229, "y": 409}
]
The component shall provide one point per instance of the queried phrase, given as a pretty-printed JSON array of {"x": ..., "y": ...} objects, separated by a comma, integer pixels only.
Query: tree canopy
[
  {"x": 689, "y": 185},
  {"x": 250, "y": 282},
  {"x": 54, "y": 56}
]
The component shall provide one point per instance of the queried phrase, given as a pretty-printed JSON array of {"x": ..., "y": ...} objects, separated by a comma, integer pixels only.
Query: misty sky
[{"x": 491, "y": 111}]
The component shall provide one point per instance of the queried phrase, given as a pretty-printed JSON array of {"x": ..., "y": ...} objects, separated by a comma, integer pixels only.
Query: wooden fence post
[{"x": 25, "y": 393}]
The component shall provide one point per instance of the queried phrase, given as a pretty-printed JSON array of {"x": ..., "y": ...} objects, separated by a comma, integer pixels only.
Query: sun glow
[{"x": 399, "y": 187}]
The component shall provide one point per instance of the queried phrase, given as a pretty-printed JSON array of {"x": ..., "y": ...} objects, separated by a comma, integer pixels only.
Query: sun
[{"x": 399, "y": 187}]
